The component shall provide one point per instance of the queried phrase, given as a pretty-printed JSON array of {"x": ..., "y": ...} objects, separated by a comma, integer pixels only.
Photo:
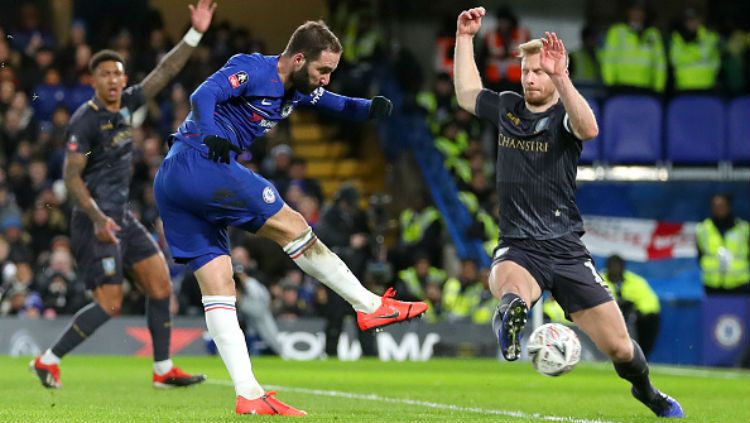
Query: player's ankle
[
  {"x": 163, "y": 367},
  {"x": 49, "y": 358},
  {"x": 249, "y": 391}
]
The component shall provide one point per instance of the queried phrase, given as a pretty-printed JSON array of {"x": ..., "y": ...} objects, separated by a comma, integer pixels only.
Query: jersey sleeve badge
[
  {"x": 73, "y": 143},
  {"x": 238, "y": 79}
]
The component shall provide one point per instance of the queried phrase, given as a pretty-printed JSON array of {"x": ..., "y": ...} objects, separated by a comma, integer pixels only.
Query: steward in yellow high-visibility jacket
[
  {"x": 724, "y": 249},
  {"x": 639, "y": 303},
  {"x": 633, "y": 55},
  {"x": 695, "y": 55}
]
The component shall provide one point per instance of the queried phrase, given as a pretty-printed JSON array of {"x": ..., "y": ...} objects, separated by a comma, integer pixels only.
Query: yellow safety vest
[
  {"x": 411, "y": 279},
  {"x": 430, "y": 316},
  {"x": 633, "y": 60},
  {"x": 635, "y": 289},
  {"x": 452, "y": 147},
  {"x": 555, "y": 313},
  {"x": 413, "y": 224},
  {"x": 491, "y": 231},
  {"x": 734, "y": 245},
  {"x": 358, "y": 45},
  {"x": 427, "y": 100},
  {"x": 585, "y": 68},
  {"x": 696, "y": 63},
  {"x": 484, "y": 310},
  {"x": 458, "y": 303}
]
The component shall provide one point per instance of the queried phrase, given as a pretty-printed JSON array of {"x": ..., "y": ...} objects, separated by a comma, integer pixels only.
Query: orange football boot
[
  {"x": 390, "y": 311},
  {"x": 266, "y": 405}
]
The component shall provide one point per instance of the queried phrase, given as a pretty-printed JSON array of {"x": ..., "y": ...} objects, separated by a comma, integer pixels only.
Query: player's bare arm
[
  {"x": 554, "y": 61},
  {"x": 172, "y": 62},
  {"x": 104, "y": 226},
  {"x": 467, "y": 81}
]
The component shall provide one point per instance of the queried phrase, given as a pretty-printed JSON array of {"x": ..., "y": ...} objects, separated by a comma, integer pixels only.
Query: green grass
[{"x": 118, "y": 389}]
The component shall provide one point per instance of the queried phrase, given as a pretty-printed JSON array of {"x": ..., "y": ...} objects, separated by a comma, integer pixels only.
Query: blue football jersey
[{"x": 246, "y": 98}]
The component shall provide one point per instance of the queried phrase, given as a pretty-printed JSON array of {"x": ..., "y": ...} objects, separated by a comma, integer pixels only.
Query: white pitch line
[{"x": 427, "y": 404}]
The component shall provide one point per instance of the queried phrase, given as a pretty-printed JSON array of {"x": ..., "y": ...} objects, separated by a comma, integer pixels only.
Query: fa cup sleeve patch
[{"x": 237, "y": 79}]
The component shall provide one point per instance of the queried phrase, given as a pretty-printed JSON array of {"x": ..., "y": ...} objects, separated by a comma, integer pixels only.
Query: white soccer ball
[{"x": 554, "y": 349}]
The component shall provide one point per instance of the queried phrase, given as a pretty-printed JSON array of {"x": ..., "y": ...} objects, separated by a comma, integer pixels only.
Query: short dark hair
[
  {"x": 105, "y": 56},
  {"x": 615, "y": 259},
  {"x": 311, "y": 39}
]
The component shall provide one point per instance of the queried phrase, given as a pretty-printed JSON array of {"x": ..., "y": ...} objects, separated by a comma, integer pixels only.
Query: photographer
[{"x": 254, "y": 301}]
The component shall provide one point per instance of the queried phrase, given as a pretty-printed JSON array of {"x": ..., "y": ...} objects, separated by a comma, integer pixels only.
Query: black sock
[
  {"x": 160, "y": 326},
  {"x": 505, "y": 302},
  {"x": 636, "y": 372},
  {"x": 85, "y": 322}
]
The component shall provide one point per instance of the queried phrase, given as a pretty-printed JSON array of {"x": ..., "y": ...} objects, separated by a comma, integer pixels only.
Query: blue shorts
[{"x": 198, "y": 199}]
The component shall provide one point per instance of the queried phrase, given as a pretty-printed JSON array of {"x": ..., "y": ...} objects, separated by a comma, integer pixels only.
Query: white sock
[
  {"x": 221, "y": 320},
  {"x": 163, "y": 367},
  {"x": 315, "y": 259},
  {"x": 49, "y": 358}
]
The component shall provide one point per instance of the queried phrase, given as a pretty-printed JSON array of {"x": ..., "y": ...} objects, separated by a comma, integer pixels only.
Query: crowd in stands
[{"x": 43, "y": 80}]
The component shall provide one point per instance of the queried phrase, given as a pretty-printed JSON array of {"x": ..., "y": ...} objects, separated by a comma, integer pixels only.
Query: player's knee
[
  {"x": 297, "y": 225},
  {"x": 511, "y": 286},
  {"x": 160, "y": 289},
  {"x": 112, "y": 309},
  {"x": 620, "y": 351}
]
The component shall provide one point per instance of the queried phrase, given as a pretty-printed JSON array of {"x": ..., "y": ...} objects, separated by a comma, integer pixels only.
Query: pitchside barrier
[
  {"x": 724, "y": 335},
  {"x": 302, "y": 339}
]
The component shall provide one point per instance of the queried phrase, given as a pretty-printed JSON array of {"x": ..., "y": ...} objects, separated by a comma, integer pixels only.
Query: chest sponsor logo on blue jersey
[{"x": 266, "y": 123}]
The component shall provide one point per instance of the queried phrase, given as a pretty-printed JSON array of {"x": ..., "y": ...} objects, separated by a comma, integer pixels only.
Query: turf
[{"x": 118, "y": 389}]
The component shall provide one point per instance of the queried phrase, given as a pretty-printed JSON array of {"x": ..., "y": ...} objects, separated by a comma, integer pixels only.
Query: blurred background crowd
[{"x": 349, "y": 189}]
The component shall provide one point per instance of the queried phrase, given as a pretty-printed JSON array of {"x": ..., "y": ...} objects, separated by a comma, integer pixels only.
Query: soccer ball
[{"x": 554, "y": 349}]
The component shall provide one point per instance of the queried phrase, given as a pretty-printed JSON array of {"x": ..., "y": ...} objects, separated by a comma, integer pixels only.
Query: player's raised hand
[
  {"x": 469, "y": 21},
  {"x": 201, "y": 14},
  {"x": 554, "y": 58},
  {"x": 106, "y": 230}
]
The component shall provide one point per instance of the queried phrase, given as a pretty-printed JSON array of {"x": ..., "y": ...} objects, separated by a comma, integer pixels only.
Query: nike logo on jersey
[{"x": 265, "y": 102}]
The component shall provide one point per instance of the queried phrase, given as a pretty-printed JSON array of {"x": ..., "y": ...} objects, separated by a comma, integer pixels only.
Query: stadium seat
[
  {"x": 350, "y": 168},
  {"x": 321, "y": 168},
  {"x": 695, "y": 130},
  {"x": 592, "y": 150},
  {"x": 632, "y": 129},
  {"x": 738, "y": 140}
]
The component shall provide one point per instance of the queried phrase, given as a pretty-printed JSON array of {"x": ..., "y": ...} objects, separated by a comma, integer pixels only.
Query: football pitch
[{"x": 118, "y": 389}]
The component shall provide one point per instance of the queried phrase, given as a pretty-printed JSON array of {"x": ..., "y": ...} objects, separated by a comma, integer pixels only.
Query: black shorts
[
  {"x": 562, "y": 266},
  {"x": 102, "y": 263}
]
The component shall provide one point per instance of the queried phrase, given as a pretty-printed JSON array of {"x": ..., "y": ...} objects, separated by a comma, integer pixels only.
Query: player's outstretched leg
[
  {"x": 636, "y": 372},
  {"x": 605, "y": 326},
  {"x": 152, "y": 276},
  {"x": 315, "y": 259},
  {"x": 507, "y": 324},
  {"x": 84, "y": 324},
  {"x": 214, "y": 275}
]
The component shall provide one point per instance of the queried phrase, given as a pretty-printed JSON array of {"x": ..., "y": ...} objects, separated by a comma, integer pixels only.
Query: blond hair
[{"x": 530, "y": 47}]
